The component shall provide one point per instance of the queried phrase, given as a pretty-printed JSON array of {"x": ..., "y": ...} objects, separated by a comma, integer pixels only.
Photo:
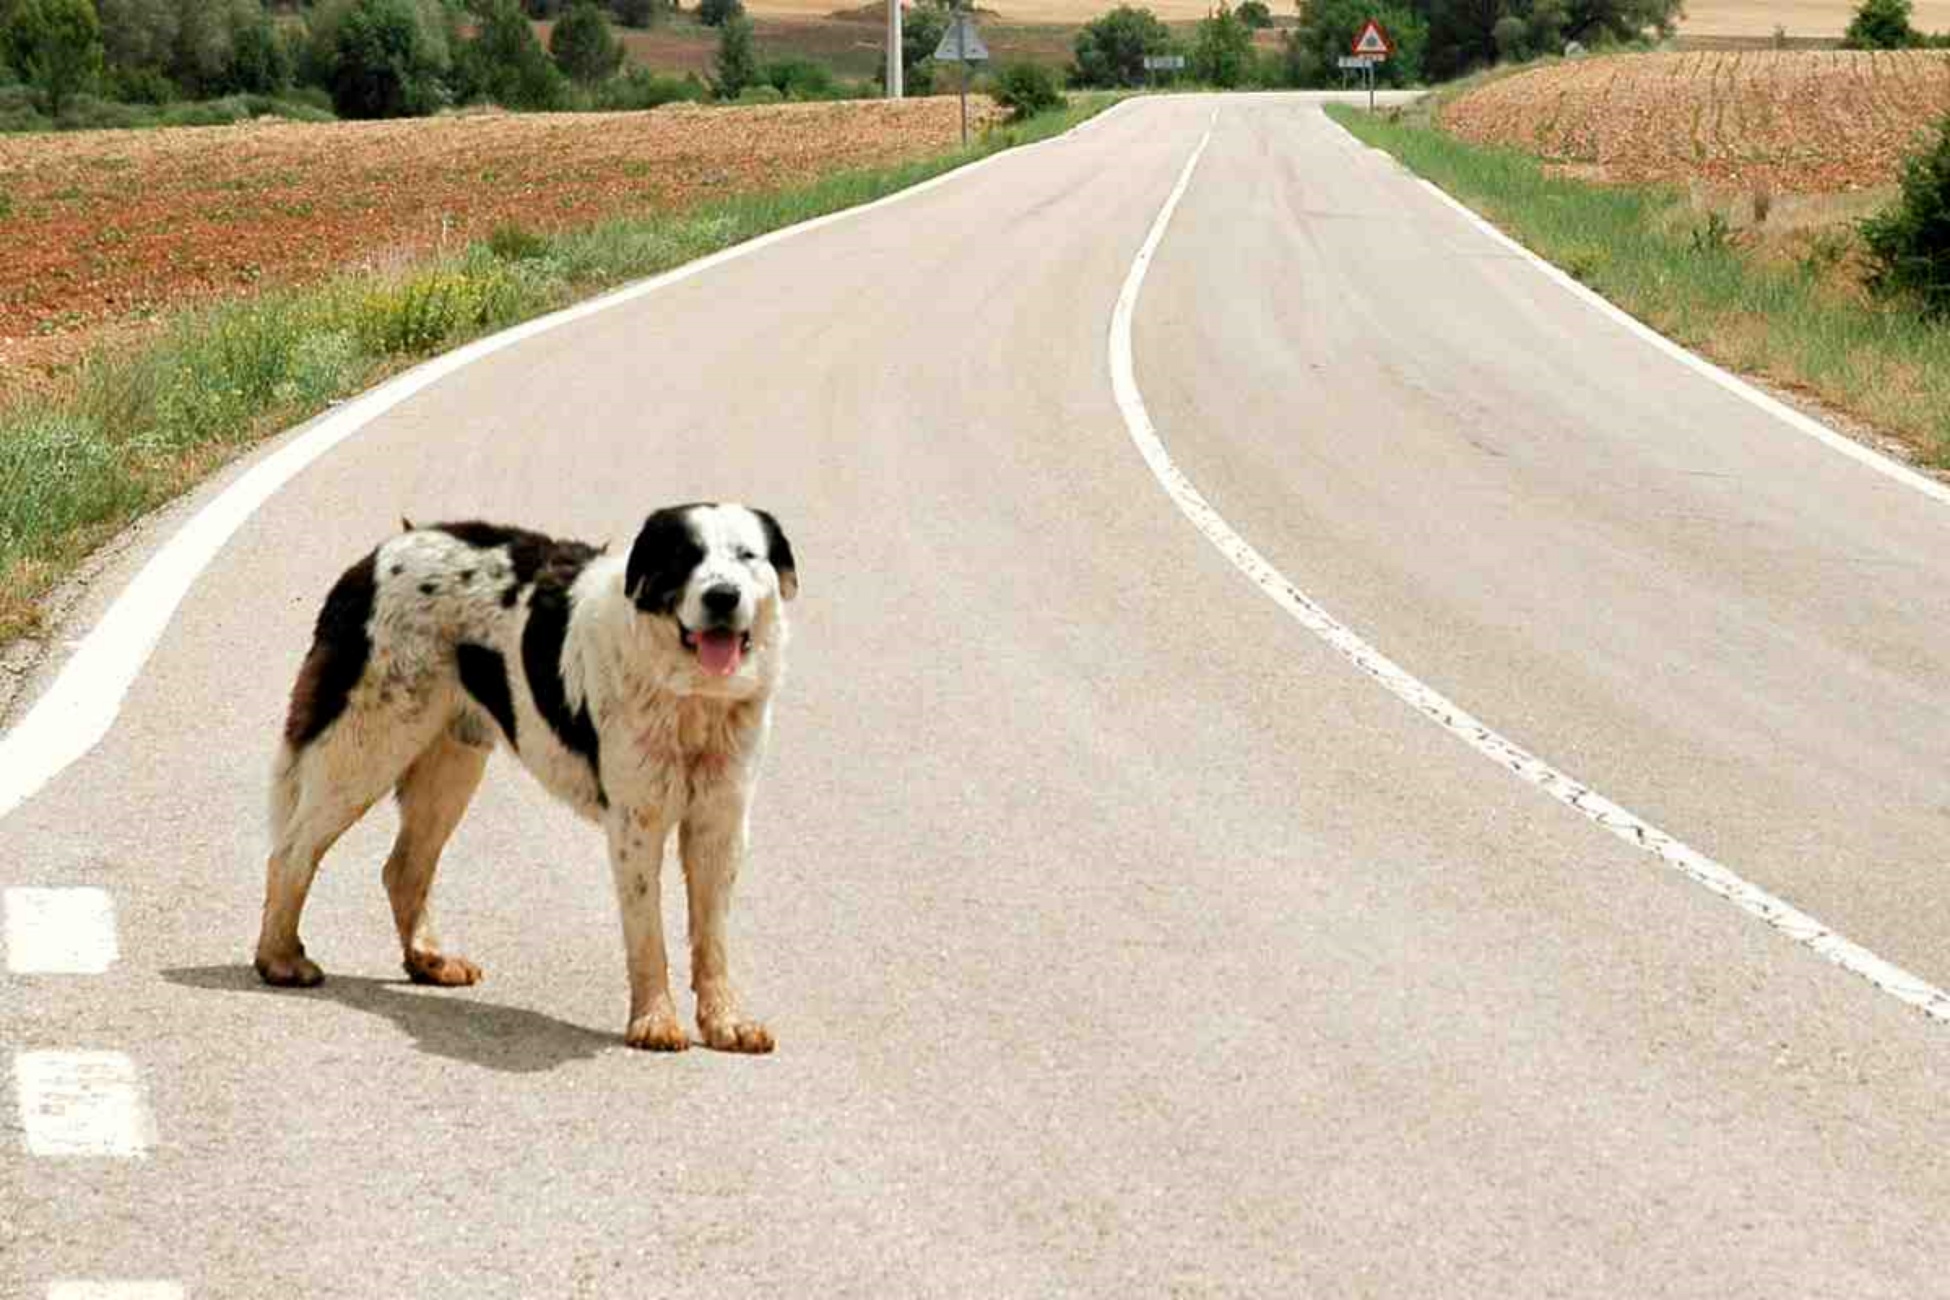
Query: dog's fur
[{"x": 615, "y": 682}]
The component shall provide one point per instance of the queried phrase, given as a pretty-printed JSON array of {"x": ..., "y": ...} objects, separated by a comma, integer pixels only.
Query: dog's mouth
[{"x": 719, "y": 650}]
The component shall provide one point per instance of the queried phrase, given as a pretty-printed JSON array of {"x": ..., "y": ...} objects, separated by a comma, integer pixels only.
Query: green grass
[
  {"x": 138, "y": 427},
  {"x": 1803, "y": 325}
]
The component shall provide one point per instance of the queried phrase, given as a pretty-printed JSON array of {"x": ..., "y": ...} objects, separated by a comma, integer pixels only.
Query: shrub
[
  {"x": 1110, "y": 50},
  {"x": 737, "y": 60},
  {"x": 512, "y": 243},
  {"x": 582, "y": 45},
  {"x": 639, "y": 88},
  {"x": 55, "y": 45},
  {"x": 1026, "y": 89},
  {"x": 1881, "y": 25},
  {"x": 57, "y": 472},
  {"x": 504, "y": 62},
  {"x": 1512, "y": 36},
  {"x": 384, "y": 63},
  {"x": 639, "y": 13},
  {"x": 715, "y": 13},
  {"x": 1908, "y": 243},
  {"x": 1255, "y": 14},
  {"x": 1223, "y": 50},
  {"x": 760, "y": 94},
  {"x": 798, "y": 78}
]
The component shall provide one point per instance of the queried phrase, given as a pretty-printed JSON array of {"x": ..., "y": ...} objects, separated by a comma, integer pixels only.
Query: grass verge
[
  {"x": 138, "y": 427},
  {"x": 1798, "y": 324}
]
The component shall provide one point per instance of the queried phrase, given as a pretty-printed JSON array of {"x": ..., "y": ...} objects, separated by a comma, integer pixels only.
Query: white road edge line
[
  {"x": 86, "y": 697},
  {"x": 60, "y": 931},
  {"x": 1750, "y": 898}
]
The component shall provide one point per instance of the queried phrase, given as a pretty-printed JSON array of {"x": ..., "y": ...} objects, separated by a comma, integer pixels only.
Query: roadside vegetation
[
  {"x": 136, "y": 427},
  {"x": 1856, "y": 318}
]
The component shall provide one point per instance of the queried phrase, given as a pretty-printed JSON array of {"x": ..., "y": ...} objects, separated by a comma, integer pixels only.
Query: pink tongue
[{"x": 719, "y": 651}]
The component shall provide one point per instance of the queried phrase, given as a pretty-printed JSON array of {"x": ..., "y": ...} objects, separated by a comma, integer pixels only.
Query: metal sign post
[
  {"x": 894, "y": 49},
  {"x": 962, "y": 44},
  {"x": 1371, "y": 46}
]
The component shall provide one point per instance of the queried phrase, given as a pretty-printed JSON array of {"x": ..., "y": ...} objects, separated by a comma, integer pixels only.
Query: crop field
[
  {"x": 1757, "y": 20},
  {"x": 1814, "y": 122},
  {"x": 107, "y": 230}
]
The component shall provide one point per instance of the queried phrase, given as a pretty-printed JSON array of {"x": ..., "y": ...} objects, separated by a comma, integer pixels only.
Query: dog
[{"x": 638, "y": 691}]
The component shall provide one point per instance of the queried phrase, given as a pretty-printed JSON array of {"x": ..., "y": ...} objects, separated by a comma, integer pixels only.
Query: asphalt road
[{"x": 1118, "y": 937}]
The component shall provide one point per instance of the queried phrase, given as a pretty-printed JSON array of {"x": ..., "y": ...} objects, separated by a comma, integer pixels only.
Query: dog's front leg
[
  {"x": 713, "y": 840},
  {"x": 636, "y": 854}
]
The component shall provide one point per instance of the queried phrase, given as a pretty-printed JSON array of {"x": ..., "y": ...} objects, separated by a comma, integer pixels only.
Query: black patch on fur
[
  {"x": 778, "y": 551},
  {"x": 529, "y": 553},
  {"x": 485, "y": 675},
  {"x": 337, "y": 660},
  {"x": 511, "y": 595},
  {"x": 661, "y": 560}
]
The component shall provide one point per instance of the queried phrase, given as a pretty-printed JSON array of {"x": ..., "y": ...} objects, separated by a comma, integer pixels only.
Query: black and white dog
[{"x": 637, "y": 691}]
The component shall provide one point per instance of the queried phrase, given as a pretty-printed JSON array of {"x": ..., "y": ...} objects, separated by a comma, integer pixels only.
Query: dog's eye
[{"x": 746, "y": 555}]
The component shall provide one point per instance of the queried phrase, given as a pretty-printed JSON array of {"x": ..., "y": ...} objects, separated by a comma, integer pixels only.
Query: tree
[
  {"x": 1592, "y": 21},
  {"x": 582, "y": 45},
  {"x": 506, "y": 65},
  {"x": 1254, "y": 14},
  {"x": 1881, "y": 25},
  {"x": 259, "y": 61},
  {"x": 713, "y": 13},
  {"x": 384, "y": 61},
  {"x": 55, "y": 45},
  {"x": 1328, "y": 29},
  {"x": 1222, "y": 53},
  {"x": 639, "y": 13},
  {"x": 1110, "y": 50},
  {"x": 737, "y": 60},
  {"x": 1026, "y": 89},
  {"x": 1908, "y": 243}
]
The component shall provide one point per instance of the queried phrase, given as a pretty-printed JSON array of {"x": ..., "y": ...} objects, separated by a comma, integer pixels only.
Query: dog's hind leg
[
  {"x": 433, "y": 794},
  {"x": 309, "y": 811}
]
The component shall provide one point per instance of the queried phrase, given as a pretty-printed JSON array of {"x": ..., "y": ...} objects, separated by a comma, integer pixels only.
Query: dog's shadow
[{"x": 509, "y": 1039}]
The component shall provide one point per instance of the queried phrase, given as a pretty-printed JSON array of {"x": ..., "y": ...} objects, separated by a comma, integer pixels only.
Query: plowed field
[
  {"x": 1813, "y": 122},
  {"x": 102, "y": 230}
]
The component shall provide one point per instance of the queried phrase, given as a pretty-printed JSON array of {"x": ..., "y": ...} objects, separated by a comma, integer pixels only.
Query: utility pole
[{"x": 893, "y": 49}]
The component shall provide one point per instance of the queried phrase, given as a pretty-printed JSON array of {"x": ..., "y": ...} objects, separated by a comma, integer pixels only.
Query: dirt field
[
  {"x": 1802, "y": 18},
  {"x": 1824, "y": 122},
  {"x": 106, "y": 229}
]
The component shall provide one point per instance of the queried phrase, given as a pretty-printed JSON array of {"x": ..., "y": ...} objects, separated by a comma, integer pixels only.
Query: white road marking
[
  {"x": 114, "y": 1291},
  {"x": 1797, "y": 925},
  {"x": 60, "y": 931},
  {"x": 82, "y": 1104},
  {"x": 81, "y": 705}
]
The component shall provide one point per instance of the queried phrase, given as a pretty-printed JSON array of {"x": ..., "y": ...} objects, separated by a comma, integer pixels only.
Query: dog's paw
[
  {"x": 299, "y": 972},
  {"x": 442, "y": 969},
  {"x": 657, "y": 1032},
  {"x": 735, "y": 1034}
]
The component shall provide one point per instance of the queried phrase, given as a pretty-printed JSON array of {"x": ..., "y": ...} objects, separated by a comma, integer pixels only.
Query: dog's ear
[
  {"x": 661, "y": 560},
  {"x": 779, "y": 553}
]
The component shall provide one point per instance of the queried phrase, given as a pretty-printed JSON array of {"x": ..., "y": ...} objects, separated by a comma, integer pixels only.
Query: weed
[{"x": 1714, "y": 238}]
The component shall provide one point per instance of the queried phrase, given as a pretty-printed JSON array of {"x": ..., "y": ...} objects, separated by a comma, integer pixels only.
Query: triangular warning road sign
[{"x": 1373, "y": 40}]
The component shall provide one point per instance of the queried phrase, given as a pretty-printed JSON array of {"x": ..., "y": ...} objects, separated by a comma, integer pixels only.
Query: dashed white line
[
  {"x": 60, "y": 931},
  {"x": 1796, "y": 924},
  {"x": 82, "y": 1104}
]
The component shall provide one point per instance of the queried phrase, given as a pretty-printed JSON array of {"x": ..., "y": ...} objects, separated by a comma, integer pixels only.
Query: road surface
[{"x": 1119, "y": 937}]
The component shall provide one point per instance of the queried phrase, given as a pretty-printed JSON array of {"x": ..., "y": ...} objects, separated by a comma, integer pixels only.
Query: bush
[
  {"x": 1881, "y": 25},
  {"x": 55, "y": 45},
  {"x": 639, "y": 13},
  {"x": 715, "y": 13},
  {"x": 737, "y": 60},
  {"x": 1222, "y": 54},
  {"x": 797, "y": 78},
  {"x": 760, "y": 94},
  {"x": 384, "y": 62},
  {"x": 57, "y": 472},
  {"x": 505, "y": 64},
  {"x": 582, "y": 45},
  {"x": 1255, "y": 14},
  {"x": 1908, "y": 243},
  {"x": 1110, "y": 50},
  {"x": 1026, "y": 89},
  {"x": 639, "y": 88}
]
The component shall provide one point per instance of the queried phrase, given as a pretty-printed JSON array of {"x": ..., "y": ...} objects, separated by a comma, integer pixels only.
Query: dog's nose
[{"x": 721, "y": 601}]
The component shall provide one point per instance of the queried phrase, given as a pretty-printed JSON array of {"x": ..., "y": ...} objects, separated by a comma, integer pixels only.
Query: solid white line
[
  {"x": 82, "y": 1104},
  {"x": 81, "y": 705},
  {"x": 114, "y": 1291},
  {"x": 1797, "y": 925},
  {"x": 60, "y": 931}
]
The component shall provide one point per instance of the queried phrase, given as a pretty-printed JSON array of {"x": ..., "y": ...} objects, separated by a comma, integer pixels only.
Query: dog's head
[{"x": 717, "y": 573}]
